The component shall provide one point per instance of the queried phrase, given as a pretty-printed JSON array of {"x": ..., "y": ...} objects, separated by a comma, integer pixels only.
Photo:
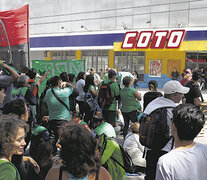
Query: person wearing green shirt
[
  {"x": 109, "y": 114},
  {"x": 13, "y": 131},
  {"x": 129, "y": 97}
]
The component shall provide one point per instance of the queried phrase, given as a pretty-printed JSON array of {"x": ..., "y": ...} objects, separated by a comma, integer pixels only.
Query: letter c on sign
[
  {"x": 175, "y": 39},
  {"x": 129, "y": 40}
]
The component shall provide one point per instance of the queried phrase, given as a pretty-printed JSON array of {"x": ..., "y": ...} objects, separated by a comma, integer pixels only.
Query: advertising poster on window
[{"x": 155, "y": 68}]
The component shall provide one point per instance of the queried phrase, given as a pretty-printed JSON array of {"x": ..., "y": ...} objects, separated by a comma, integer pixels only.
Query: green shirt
[
  {"x": 57, "y": 111},
  {"x": 8, "y": 171},
  {"x": 114, "y": 92},
  {"x": 128, "y": 99},
  {"x": 105, "y": 128}
]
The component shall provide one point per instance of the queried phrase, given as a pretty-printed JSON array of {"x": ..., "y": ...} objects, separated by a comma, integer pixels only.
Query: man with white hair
[{"x": 173, "y": 92}]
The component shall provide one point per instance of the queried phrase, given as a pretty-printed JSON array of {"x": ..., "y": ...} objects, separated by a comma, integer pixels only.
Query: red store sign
[{"x": 154, "y": 40}]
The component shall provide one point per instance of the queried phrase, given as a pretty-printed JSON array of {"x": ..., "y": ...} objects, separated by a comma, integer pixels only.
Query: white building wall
[{"x": 67, "y": 16}]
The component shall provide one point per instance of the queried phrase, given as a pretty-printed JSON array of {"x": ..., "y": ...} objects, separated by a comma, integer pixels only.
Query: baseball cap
[{"x": 174, "y": 86}]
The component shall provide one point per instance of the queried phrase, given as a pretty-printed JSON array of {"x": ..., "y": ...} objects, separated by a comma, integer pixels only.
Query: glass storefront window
[
  {"x": 130, "y": 61},
  {"x": 97, "y": 59},
  {"x": 62, "y": 55},
  {"x": 196, "y": 60}
]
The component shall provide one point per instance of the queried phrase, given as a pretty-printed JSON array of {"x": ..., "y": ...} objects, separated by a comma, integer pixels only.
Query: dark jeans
[
  {"x": 152, "y": 158},
  {"x": 54, "y": 126},
  {"x": 127, "y": 117},
  {"x": 110, "y": 117},
  {"x": 88, "y": 118},
  {"x": 81, "y": 107}
]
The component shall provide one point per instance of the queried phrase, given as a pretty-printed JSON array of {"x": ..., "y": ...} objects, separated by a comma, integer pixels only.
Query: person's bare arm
[
  {"x": 197, "y": 102},
  {"x": 138, "y": 95},
  {"x": 42, "y": 78},
  {"x": 13, "y": 72}
]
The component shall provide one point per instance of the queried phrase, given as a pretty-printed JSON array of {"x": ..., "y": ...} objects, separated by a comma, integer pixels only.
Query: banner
[
  {"x": 14, "y": 36},
  {"x": 56, "y": 67}
]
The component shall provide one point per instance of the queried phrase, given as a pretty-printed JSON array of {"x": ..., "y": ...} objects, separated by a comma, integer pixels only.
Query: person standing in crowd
[
  {"x": 173, "y": 92},
  {"x": 78, "y": 150},
  {"x": 13, "y": 131},
  {"x": 194, "y": 95},
  {"x": 152, "y": 94},
  {"x": 187, "y": 76},
  {"x": 109, "y": 114},
  {"x": 79, "y": 85},
  {"x": 134, "y": 148},
  {"x": 2, "y": 96},
  {"x": 102, "y": 74},
  {"x": 6, "y": 81},
  {"x": 203, "y": 79},
  {"x": 97, "y": 78},
  {"x": 135, "y": 74},
  {"x": 57, "y": 100},
  {"x": 120, "y": 77},
  {"x": 74, "y": 95},
  {"x": 175, "y": 74},
  {"x": 90, "y": 91},
  {"x": 129, "y": 97},
  {"x": 189, "y": 159}
]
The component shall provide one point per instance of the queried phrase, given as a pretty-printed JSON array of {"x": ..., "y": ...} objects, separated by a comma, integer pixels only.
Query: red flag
[{"x": 14, "y": 26}]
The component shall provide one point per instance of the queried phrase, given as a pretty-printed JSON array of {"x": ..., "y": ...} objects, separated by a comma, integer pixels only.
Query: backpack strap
[
  {"x": 97, "y": 175},
  {"x": 60, "y": 172},
  {"x": 60, "y": 100}
]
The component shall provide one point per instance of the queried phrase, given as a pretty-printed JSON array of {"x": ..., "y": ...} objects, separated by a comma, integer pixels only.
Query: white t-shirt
[
  {"x": 185, "y": 164},
  {"x": 124, "y": 74}
]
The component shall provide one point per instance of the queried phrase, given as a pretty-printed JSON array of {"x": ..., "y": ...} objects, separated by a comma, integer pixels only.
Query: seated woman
[
  {"x": 134, "y": 148},
  {"x": 13, "y": 131},
  {"x": 79, "y": 155}
]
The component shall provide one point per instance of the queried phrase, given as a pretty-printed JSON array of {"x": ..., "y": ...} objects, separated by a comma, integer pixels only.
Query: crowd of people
[{"x": 70, "y": 130}]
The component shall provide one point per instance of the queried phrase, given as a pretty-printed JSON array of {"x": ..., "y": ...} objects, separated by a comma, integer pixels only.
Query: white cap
[{"x": 174, "y": 86}]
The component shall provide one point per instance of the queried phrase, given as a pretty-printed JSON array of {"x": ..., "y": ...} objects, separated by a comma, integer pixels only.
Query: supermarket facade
[{"x": 105, "y": 49}]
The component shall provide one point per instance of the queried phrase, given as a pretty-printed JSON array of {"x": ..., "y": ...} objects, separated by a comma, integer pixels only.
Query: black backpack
[
  {"x": 104, "y": 96},
  {"x": 154, "y": 130},
  {"x": 128, "y": 163},
  {"x": 89, "y": 102}
]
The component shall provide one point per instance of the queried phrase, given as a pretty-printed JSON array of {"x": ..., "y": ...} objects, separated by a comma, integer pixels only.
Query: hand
[
  {"x": 33, "y": 163},
  {"x": 63, "y": 84}
]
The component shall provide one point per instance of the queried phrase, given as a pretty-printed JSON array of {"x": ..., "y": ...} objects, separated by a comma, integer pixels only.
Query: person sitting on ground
[
  {"x": 101, "y": 127},
  {"x": 152, "y": 94},
  {"x": 111, "y": 157},
  {"x": 79, "y": 156},
  {"x": 76, "y": 118},
  {"x": 41, "y": 150},
  {"x": 129, "y": 97},
  {"x": 13, "y": 131},
  {"x": 134, "y": 148},
  {"x": 189, "y": 159}
]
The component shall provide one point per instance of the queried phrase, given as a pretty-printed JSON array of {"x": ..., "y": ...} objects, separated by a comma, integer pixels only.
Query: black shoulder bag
[{"x": 60, "y": 100}]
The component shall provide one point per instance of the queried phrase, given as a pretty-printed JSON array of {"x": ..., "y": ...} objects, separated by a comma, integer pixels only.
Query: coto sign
[{"x": 154, "y": 40}]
